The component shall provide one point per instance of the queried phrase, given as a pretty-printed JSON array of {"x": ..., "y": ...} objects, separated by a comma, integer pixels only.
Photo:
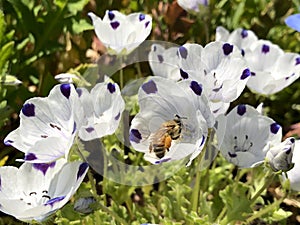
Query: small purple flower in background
[
  {"x": 173, "y": 120},
  {"x": 121, "y": 33},
  {"x": 245, "y": 136},
  {"x": 103, "y": 108},
  {"x": 280, "y": 156},
  {"x": 164, "y": 62},
  {"x": 271, "y": 69},
  {"x": 293, "y": 22},
  {"x": 35, "y": 191},
  {"x": 192, "y": 5}
]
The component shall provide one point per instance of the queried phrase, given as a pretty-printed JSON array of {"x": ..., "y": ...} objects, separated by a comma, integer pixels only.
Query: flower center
[
  {"x": 240, "y": 146},
  {"x": 36, "y": 198}
]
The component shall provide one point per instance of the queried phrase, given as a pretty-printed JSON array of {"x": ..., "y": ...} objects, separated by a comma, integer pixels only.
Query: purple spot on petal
[
  {"x": 65, "y": 90},
  {"x": 28, "y": 109},
  {"x": 243, "y": 52},
  {"x": 115, "y": 25},
  {"x": 246, "y": 73},
  {"x": 74, "y": 127},
  {"x": 274, "y": 128},
  {"x": 241, "y": 109},
  {"x": 8, "y": 142},
  {"x": 227, "y": 48},
  {"x": 30, "y": 157},
  {"x": 265, "y": 49},
  {"x": 79, "y": 92},
  {"x": 146, "y": 24},
  {"x": 52, "y": 201},
  {"x": 0, "y": 184},
  {"x": 135, "y": 136},
  {"x": 82, "y": 169},
  {"x": 117, "y": 117},
  {"x": 203, "y": 139},
  {"x": 297, "y": 61},
  {"x": 111, "y": 15},
  {"x": 111, "y": 87},
  {"x": 253, "y": 74},
  {"x": 89, "y": 129},
  {"x": 160, "y": 58},
  {"x": 184, "y": 74},
  {"x": 232, "y": 155},
  {"x": 141, "y": 17},
  {"x": 197, "y": 88},
  {"x": 217, "y": 89},
  {"x": 162, "y": 161},
  {"x": 149, "y": 87},
  {"x": 244, "y": 33},
  {"x": 43, "y": 166},
  {"x": 292, "y": 140},
  {"x": 183, "y": 52},
  {"x": 154, "y": 48}
]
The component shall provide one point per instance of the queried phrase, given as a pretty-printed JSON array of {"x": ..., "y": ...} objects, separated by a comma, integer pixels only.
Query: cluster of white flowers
[{"x": 179, "y": 107}]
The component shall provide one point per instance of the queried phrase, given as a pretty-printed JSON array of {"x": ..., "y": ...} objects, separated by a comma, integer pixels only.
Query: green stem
[
  {"x": 268, "y": 181},
  {"x": 196, "y": 189},
  {"x": 121, "y": 73},
  {"x": 139, "y": 71}
]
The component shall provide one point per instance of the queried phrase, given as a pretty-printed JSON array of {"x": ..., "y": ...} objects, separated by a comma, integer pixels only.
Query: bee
[{"x": 161, "y": 140}]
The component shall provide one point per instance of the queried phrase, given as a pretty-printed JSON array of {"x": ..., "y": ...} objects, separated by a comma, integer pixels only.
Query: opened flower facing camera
[
  {"x": 271, "y": 68},
  {"x": 220, "y": 67},
  {"x": 293, "y": 21},
  {"x": 245, "y": 136},
  {"x": 35, "y": 191},
  {"x": 172, "y": 122},
  {"x": 49, "y": 125},
  {"x": 121, "y": 33}
]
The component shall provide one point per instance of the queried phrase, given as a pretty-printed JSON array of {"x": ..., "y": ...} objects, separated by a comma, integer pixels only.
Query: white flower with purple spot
[
  {"x": 245, "y": 136},
  {"x": 192, "y": 5},
  {"x": 271, "y": 69},
  {"x": 121, "y": 33},
  {"x": 162, "y": 100},
  {"x": 221, "y": 69},
  {"x": 280, "y": 156},
  {"x": 242, "y": 38},
  {"x": 48, "y": 125},
  {"x": 293, "y": 175},
  {"x": 103, "y": 108},
  {"x": 35, "y": 191},
  {"x": 164, "y": 62}
]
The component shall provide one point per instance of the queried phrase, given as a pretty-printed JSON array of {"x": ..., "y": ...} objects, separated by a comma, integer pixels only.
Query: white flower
[
  {"x": 294, "y": 174},
  {"x": 103, "y": 108},
  {"x": 221, "y": 69},
  {"x": 35, "y": 191},
  {"x": 173, "y": 120},
  {"x": 192, "y": 5},
  {"x": 280, "y": 156},
  {"x": 120, "y": 33},
  {"x": 242, "y": 38},
  {"x": 271, "y": 68},
  {"x": 49, "y": 125},
  {"x": 244, "y": 136},
  {"x": 164, "y": 62}
]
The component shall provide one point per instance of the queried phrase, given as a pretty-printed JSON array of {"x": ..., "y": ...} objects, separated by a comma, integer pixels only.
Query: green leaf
[
  {"x": 236, "y": 201},
  {"x": 237, "y": 15},
  {"x": 80, "y": 26},
  {"x": 5, "y": 53},
  {"x": 75, "y": 6},
  {"x": 2, "y": 26},
  {"x": 280, "y": 214}
]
